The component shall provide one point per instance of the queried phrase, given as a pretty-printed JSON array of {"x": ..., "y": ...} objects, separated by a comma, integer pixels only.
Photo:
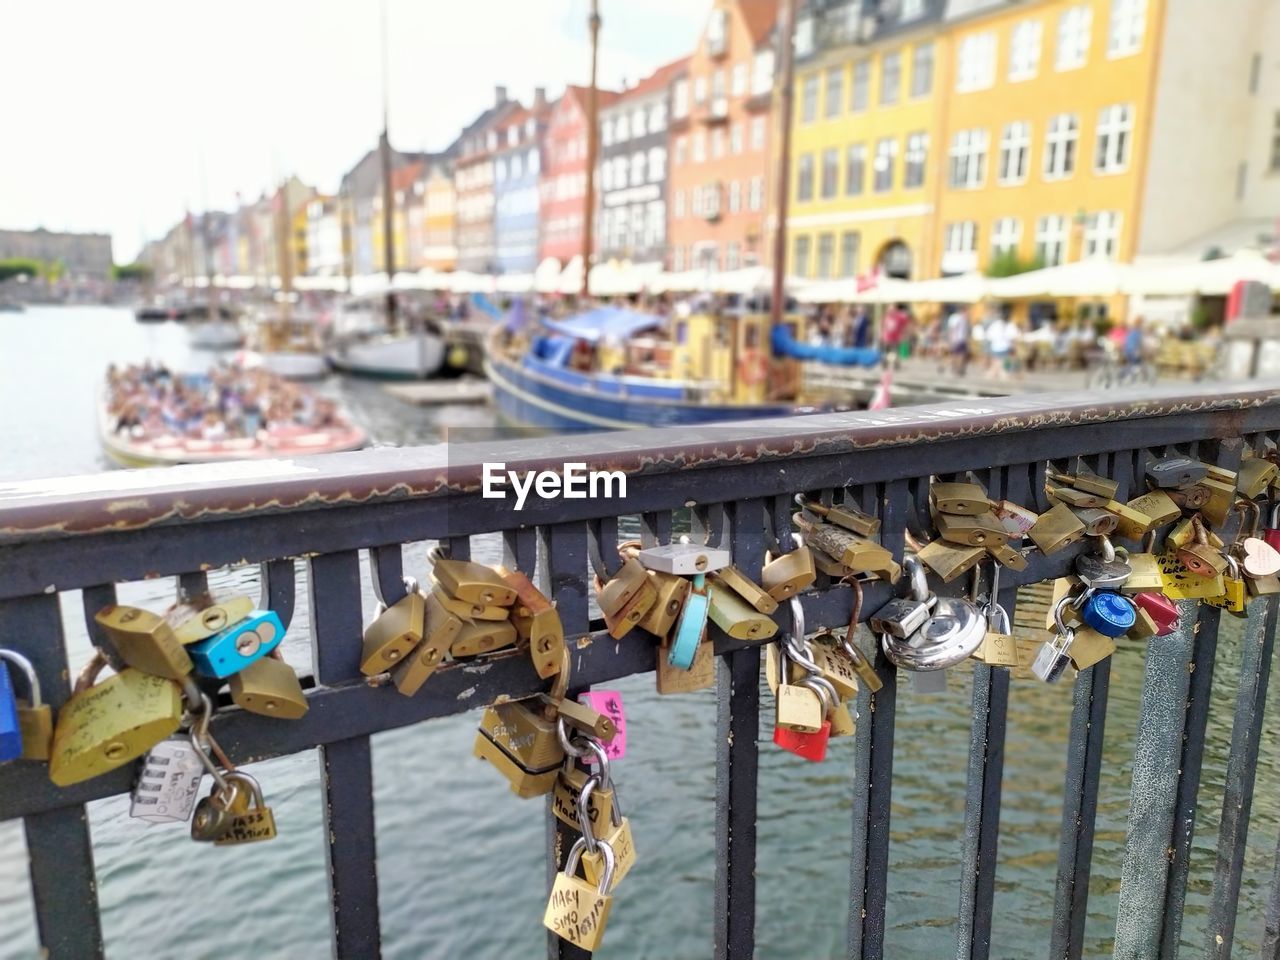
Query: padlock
[
  {"x": 145, "y": 641},
  {"x": 1272, "y": 533},
  {"x": 1080, "y": 499},
  {"x": 1199, "y": 557},
  {"x": 826, "y": 564},
  {"x": 1161, "y": 609},
  {"x": 270, "y": 688},
  {"x": 483, "y": 636},
  {"x": 1144, "y": 573},
  {"x": 954, "y": 630},
  {"x": 1053, "y": 657},
  {"x": 962, "y": 499},
  {"x": 1157, "y": 506},
  {"x": 1008, "y": 556},
  {"x": 1263, "y": 586},
  {"x": 1131, "y": 523},
  {"x": 841, "y": 721},
  {"x": 205, "y": 621},
  {"x": 809, "y": 745},
  {"x": 1179, "y": 584},
  {"x": 835, "y": 666},
  {"x": 34, "y": 716},
  {"x": 981, "y": 529},
  {"x": 853, "y": 553},
  {"x": 1234, "y": 596},
  {"x": 799, "y": 707},
  {"x": 672, "y": 592},
  {"x": 1104, "y": 569},
  {"x": 619, "y": 840},
  {"x": 1175, "y": 472},
  {"x": 583, "y": 718},
  {"x": 441, "y": 628},
  {"x": 701, "y": 674},
  {"x": 1015, "y": 518},
  {"x": 690, "y": 627},
  {"x": 251, "y": 819},
  {"x": 237, "y": 646},
  {"x": 630, "y": 579},
  {"x": 901, "y": 616},
  {"x": 578, "y": 911},
  {"x": 622, "y": 621},
  {"x": 785, "y": 575},
  {"x": 1097, "y": 522},
  {"x": 1057, "y": 528},
  {"x": 999, "y": 647},
  {"x": 112, "y": 722},
  {"x": 949, "y": 560},
  {"x": 1089, "y": 647},
  {"x": 537, "y": 623},
  {"x": 570, "y": 785},
  {"x": 1193, "y": 497},
  {"x": 395, "y": 631},
  {"x": 1089, "y": 483},
  {"x": 1222, "y": 496},
  {"x": 1108, "y": 613},
  {"x": 1256, "y": 474},
  {"x": 467, "y": 611},
  {"x": 1257, "y": 557},
  {"x": 735, "y": 617},
  {"x": 1144, "y": 628},
  {"x": 10, "y": 732},
  {"x": 212, "y": 817},
  {"x": 746, "y": 588},
  {"x": 842, "y": 515},
  {"x": 684, "y": 559},
  {"x": 523, "y": 744},
  {"x": 168, "y": 784},
  {"x": 472, "y": 582}
]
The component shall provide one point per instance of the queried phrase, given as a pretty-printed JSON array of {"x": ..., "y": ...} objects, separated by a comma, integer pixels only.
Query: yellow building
[{"x": 440, "y": 200}]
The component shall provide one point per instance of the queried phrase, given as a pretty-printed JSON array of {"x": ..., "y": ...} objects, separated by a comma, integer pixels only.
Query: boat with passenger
[{"x": 151, "y": 416}]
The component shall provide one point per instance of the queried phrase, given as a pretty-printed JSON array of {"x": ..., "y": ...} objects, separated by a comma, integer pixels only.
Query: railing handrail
[{"x": 66, "y": 507}]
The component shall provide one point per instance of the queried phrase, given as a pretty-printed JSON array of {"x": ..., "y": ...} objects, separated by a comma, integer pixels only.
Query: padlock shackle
[
  {"x": 797, "y": 618},
  {"x": 919, "y": 582},
  {"x": 1245, "y": 506},
  {"x": 584, "y": 813},
  {"x": 575, "y": 857},
  {"x": 29, "y": 671}
]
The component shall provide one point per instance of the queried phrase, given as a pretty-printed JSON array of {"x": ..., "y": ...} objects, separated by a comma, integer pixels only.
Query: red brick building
[{"x": 564, "y": 174}]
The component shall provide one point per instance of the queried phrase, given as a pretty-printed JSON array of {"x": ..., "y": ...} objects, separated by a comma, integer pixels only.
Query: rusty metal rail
[{"x": 92, "y": 533}]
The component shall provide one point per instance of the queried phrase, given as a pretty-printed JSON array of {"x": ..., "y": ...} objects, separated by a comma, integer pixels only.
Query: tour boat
[
  {"x": 219, "y": 334},
  {"x": 289, "y": 346},
  {"x": 614, "y": 369},
  {"x": 364, "y": 346}
]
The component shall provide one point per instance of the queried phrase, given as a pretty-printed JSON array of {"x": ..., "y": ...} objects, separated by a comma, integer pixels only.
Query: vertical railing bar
[
  {"x": 655, "y": 528},
  {"x": 459, "y": 547},
  {"x": 737, "y": 761},
  {"x": 520, "y": 550},
  {"x": 346, "y": 768},
  {"x": 386, "y": 564},
  {"x": 1270, "y": 949},
  {"x": 602, "y": 546},
  {"x": 1237, "y": 798},
  {"x": 193, "y": 584},
  {"x": 279, "y": 588}
]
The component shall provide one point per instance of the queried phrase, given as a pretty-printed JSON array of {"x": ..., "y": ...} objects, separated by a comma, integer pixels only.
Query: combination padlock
[
  {"x": 237, "y": 646},
  {"x": 169, "y": 784},
  {"x": 1108, "y": 613}
]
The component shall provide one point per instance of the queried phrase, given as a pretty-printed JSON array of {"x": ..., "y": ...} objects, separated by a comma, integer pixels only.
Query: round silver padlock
[{"x": 952, "y": 633}]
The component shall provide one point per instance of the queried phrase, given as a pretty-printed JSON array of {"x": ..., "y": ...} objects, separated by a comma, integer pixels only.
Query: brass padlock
[
  {"x": 1183, "y": 533},
  {"x": 437, "y": 637},
  {"x": 1057, "y": 528},
  {"x": 395, "y": 631},
  {"x": 1089, "y": 647},
  {"x": 1179, "y": 584},
  {"x": 1234, "y": 596},
  {"x": 621, "y": 621},
  {"x": 949, "y": 560},
  {"x": 618, "y": 838},
  {"x": 1222, "y": 497},
  {"x": 577, "y": 911},
  {"x": 1072, "y": 497},
  {"x": 842, "y": 516},
  {"x": 145, "y": 641},
  {"x": 518, "y": 739},
  {"x": 35, "y": 717},
  {"x": 962, "y": 499},
  {"x": 1144, "y": 573},
  {"x": 841, "y": 720},
  {"x": 1131, "y": 523},
  {"x": 472, "y": 582},
  {"x": 1256, "y": 474},
  {"x": 700, "y": 676},
  {"x": 565, "y": 799},
  {"x": 799, "y": 708},
  {"x": 982, "y": 529},
  {"x": 631, "y": 578},
  {"x": 856, "y": 554},
  {"x": 1266, "y": 586},
  {"x": 784, "y": 576},
  {"x": 1144, "y": 627},
  {"x": 112, "y": 722},
  {"x": 269, "y": 687},
  {"x": 735, "y": 617},
  {"x": 482, "y": 636},
  {"x": 1199, "y": 557},
  {"x": 1190, "y": 498},
  {"x": 1008, "y": 556},
  {"x": 470, "y": 611},
  {"x": 1097, "y": 522},
  {"x": 194, "y": 625},
  {"x": 672, "y": 591},
  {"x": 835, "y": 666},
  {"x": 1089, "y": 483},
  {"x": 537, "y": 622},
  {"x": 1157, "y": 506},
  {"x": 745, "y": 587},
  {"x": 251, "y": 819},
  {"x": 586, "y": 719}
]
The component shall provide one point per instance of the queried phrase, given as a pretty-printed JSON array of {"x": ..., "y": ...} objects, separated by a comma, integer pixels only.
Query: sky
[{"x": 119, "y": 116}]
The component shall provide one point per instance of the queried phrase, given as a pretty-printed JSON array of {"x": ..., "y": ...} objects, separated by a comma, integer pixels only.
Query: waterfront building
[
  {"x": 81, "y": 256},
  {"x": 517, "y": 168},
  {"x": 324, "y": 237},
  {"x": 564, "y": 174},
  {"x": 407, "y": 257},
  {"x": 440, "y": 214},
  {"x": 631, "y": 178},
  {"x": 473, "y": 184}
]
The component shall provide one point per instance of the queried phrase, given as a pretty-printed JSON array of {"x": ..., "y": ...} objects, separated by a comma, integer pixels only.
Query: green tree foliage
[
  {"x": 138, "y": 272},
  {"x": 1008, "y": 263},
  {"x": 18, "y": 268}
]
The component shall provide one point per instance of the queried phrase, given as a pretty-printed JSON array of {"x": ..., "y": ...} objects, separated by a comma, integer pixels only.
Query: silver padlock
[
  {"x": 1054, "y": 657},
  {"x": 169, "y": 785},
  {"x": 684, "y": 558},
  {"x": 903, "y": 616},
  {"x": 952, "y": 632},
  {"x": 1103, "y": 570}
]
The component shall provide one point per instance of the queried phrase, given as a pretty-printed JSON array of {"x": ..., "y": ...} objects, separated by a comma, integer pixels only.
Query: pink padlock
[
  {"x": 1162, "y": 610},
  {"x": 1272, "y": 533},
  {"x": 810, "y": 746}
]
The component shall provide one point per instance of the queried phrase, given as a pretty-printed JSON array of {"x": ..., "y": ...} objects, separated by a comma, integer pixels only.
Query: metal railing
[{"x": 739, "y": 479}]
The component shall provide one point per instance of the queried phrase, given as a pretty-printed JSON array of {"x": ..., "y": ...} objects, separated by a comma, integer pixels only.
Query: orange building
[{"x": 720, "y": 141}]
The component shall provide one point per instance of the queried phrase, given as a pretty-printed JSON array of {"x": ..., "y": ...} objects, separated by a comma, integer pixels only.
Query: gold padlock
[
  {"x": 1089, "y": 647},
  {"x": 745, "y": 587},
  {"x": 269, "y": 687},
  {"x": 537, "y": 623},
  {"x": 145, "y": 641},
  {"x": 193, "y": 624},
  {"x": 1144, "y": 626},
  {"x": 1089, "y": 483},
  {"x": 472, "y": 582},
  {"x": 735, "y": 617},
  {"x": 949, "y": 560},
  {"x": 1256, "y": 474},
  {"x": 784, "y": 576},
  {"x": 981, "y": 529},
  {"x": 672, "y": 591},
  {"x": 1157, "y": 506},
  {"x": 842, "y": 723},
  {"x": 1131, "y": 523},
  {"x": 35, "y": 717},
  {"x": 566, "y": 796},
  {"x": 1190, "y": 498},
  {"x": 578, "y": 911},
  {"x": 1057, "y": 528},
  {"x": 1234, "y": 596},
  {"x": 1008, "y": 556},
  {"x": 631, "y": 578},
  {"x": 437, "y": 637},
  {"x": 1199, "y": 557},
  {"x": 1072, "y": 497},
  {"x": 962, "y": 499},
  {"x": 621, "y": 621},
  {"x": 998, "y": 649},
  {"x": 581, "y": 717},
  {"x": 835, "y": 666},
  {"x": 1222, "y": 497},
  {"x": 1258, "y": 587},
  {"x": 856, "y": 554},
  {"x": 700, "y": 676},
  {"x": 1183, "y": 533},
  {"x": 1144, "y": 573},
  {"x": 393, "y": 634},
  {"x": 1179, "y": 584},
  {"x": 522, "y": 743},
  {"x": 799, "y": 708},
  {"x": 843, "y": 516},
  {"x": 483, "y": 636},
  {"x": 251, "y": 819},
  {"x": 618, "y": 837},
  {"x": 470, "y": 611}
]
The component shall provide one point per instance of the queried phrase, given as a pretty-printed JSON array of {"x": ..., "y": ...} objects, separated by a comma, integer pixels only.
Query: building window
[
  {"x": 809, "y": 99},
  {"x": 620, "y": 168},
  {"x": 682, "y": 151},
  {"x": 656, "y": 230},
  {"x": 699, "y": 147},
  {"x": 638, "y": 165},
  {"x": 735, "y": 139},
  {"x": 1115, "y": 132},
  {"x": 740, "y": 79},
  {"x": 735, "y": 196},
  {"x": 1006, "y": 234},
  {"x": 969, "y": 159},
  {"x": 677, "y": 258},
  {"x": 677, "y": 205},
  {"x": 834, "y": 101},
  {"x": 606, "y": 133},
  {"x": 717, "y": 85},
  {"x": 1128, "y": 23},
  {"x": 1074, "y": 27},
  {"x": 855, "y": 169},
  {"x": 800, "y": 256},
  {"x": 830, "y": 172},
  {"x": 1015, "y": 153},
  {"x": 1060, "y": 146},
  {"x": 976, "y": 64},
  {"x": 804, "y": 178},
  {"x": 917, "y": 155},
  {"x": 1051, "y": 239},
  {"x": 695, "y": 201},
  {"x": 922, "y": 70},
  {"x": 658, "y": 117},
  {"x": 717, "y": 143},
  {"x": 890, "y": 78},
  {"x": 1102, "y": 234},
  {"x": 732, "y": 255},
  {"x": 886, "y": 154},
  {"x": 757, "y": 133},
  {"x": 826, "y": 254},
  {"x": 622, "y": 129},
  {"x": 680, "y": 99},
  {"x": 911, "y": 10},
  {"x": 1275, "y": 142},
  {"x": 762, "y": 73},
  {"x": 717, "y": 32},
  {"x": 699, "y": 90},
  {"x": 657, "y": 164},
  {"x": 755, "y": 196},
  {"x": 961, "y": 237},
  {"x": 1024, "y": 51},
  {"x": 860, "y": 95},
  {"x": 606, "y": 176},
  {"x": 638, "y": 122},
  {"x": 849, "y": 253}
]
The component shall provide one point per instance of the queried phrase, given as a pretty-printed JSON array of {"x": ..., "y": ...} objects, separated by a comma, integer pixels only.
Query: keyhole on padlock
[
  {"x": 701, "y": 562},
  {"x": 391, "y": 654},
  {"x": 115, "y": 750},
  {"x": 544, "y": 644},
  {"x": 487, "y": 596},
  {"x": 130, "y": 615},
  {"x": 214, "y": 619},
  {"x": 247, "y": 643}
]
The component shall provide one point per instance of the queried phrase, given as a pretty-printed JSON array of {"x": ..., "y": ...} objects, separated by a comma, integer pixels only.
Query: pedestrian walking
[
  {"x": 959, "y": 331},
  {"x": 894, "y": 335}
]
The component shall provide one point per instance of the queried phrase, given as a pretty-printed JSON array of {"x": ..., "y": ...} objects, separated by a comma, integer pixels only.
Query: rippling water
[{"x": 460, "y": 858}]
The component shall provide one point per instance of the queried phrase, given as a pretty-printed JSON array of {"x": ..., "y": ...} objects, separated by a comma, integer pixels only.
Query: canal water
[{"x": 460, "y": 859}]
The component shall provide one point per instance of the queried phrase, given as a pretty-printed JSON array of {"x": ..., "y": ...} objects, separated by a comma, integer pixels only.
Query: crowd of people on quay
[{"x": 227, "y": 402}]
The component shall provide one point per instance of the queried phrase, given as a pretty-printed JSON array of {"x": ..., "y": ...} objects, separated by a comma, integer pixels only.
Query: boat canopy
[
  {"x": 612, "y": 322},
  {"x": 785, "y": 345}
]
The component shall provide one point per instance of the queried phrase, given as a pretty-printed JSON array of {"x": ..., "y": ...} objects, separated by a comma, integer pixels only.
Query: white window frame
[
  {"x": 1075, "y": 28},
  {"x": 755, "y": 195},
  {"x": 809, "y": 88},
  {"x": 1024, "y": 50},
  {"x": 657, "y": 164},
  {"x": 1006, "y": 235},
  {"x": 915, "y": 157},
  {"x": 735, "y": 138},
  {"x": 1015, "y": 153},
  {"x": 699, "y": 151},
  {"x": 976, "y": 62},
  {"x": 918, "y": 55},
  {"x": 1062, "y": 133},
  {"x": 735, "y": 196},
  {"x": 680, "y": 99},
  {"x": 961, "y": 236},
  {"x": 1051, "y": 234},
  {"x": 739, "y": 82},
  {"x": 969, "y": 151},
  {"x": 1102, "y": 234},
  {"x": 1126, "y": 28},
  {"x": 758, "y": 130},
  {"x": 886, "y": 158},
  {"x": 677, "y": 205},
  {"x": 1114, "y": 138}
]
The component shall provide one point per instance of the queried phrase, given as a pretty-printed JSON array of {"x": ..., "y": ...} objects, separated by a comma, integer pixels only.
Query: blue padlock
[
  {"x": 239, "y": 645},
  {"x": 10, "y": 733},
  {"x": 691, "y": 627},
  {"x": 1109, "y": 613}
]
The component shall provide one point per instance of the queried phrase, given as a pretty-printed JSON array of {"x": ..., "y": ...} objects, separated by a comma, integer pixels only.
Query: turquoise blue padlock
[
  {"x": 238, "y": 645},
  {"x": 10, "y": 733},
  {"x": 1109, "y": 613},
  {"x": 691, "y": 626}
]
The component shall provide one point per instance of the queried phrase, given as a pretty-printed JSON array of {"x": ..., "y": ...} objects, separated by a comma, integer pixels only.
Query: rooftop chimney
[
  {"x": 499, "y": 95},
  {"x": 539, "y": 97}
]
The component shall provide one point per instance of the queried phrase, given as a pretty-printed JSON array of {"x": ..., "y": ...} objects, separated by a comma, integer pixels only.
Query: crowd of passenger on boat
[{"x": 228, "y": 402}]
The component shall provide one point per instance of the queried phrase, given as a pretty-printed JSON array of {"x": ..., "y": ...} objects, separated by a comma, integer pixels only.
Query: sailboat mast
[
  {"x": 388, "y": 196},
  {"x": 284, "y": 258},
  {"x": 593, "y": 133},
  {"x": 787, "y": 67}
]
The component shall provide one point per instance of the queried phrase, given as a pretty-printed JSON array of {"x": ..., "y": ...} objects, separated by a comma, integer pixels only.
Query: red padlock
[
  {"x": 810, "y": 746},
  {"x": 1272, "y": 533},
  {"x": 1162, "y": 610}
]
